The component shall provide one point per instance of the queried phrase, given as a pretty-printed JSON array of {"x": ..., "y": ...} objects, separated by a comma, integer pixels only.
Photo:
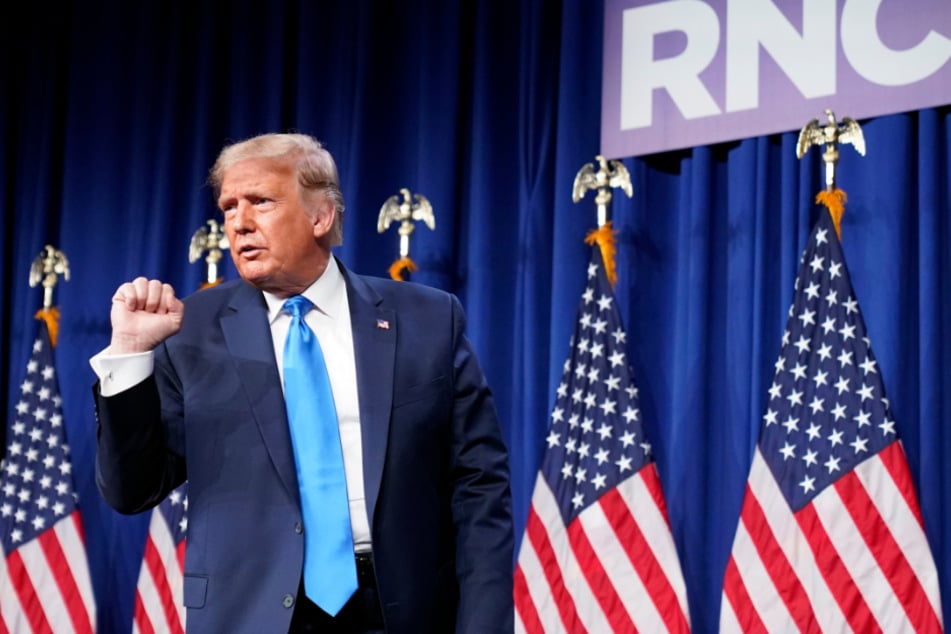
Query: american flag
[
  {"x": 158, "y": 593},
  {"x": 597, "y": 554},
  {"x": 44, "y": 575},
  {"x": 830, "y": 536}
]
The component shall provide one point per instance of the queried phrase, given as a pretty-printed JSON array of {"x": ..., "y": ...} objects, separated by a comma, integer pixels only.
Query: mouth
[{"x": 249, "y": 251}]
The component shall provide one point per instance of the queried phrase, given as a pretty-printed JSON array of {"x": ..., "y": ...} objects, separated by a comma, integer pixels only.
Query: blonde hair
[{"x": 316, "y": 169}]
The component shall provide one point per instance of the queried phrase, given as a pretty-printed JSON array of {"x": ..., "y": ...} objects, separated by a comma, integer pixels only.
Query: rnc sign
[{"x": 681, "y": 73}]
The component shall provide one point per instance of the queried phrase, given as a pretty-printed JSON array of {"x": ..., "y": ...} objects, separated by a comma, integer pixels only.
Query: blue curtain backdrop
[{"x": 111, "y": 113}]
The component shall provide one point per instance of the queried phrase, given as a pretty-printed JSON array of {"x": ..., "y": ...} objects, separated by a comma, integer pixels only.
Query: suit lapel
[
  {"x": 248, "y": 337},
  {"x": 374, "y": 347}
]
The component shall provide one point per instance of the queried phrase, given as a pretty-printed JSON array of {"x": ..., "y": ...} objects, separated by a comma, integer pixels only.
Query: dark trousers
[{"x": 361, "y": 614}]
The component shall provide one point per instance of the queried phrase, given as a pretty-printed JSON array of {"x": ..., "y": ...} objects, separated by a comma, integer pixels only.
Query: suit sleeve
[
  {"x": 135, "y": 466},
  {"x": 481, "y": 497}
]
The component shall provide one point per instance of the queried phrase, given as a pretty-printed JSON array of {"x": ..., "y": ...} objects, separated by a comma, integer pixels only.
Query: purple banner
[{"x": 682, "y": 73}]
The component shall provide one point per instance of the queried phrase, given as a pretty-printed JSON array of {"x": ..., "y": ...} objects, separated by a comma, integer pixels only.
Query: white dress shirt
[{"x": 330, "y": 321}]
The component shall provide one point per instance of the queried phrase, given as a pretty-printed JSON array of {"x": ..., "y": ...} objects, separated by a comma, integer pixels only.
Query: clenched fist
[{"x": 144, "y": 314}]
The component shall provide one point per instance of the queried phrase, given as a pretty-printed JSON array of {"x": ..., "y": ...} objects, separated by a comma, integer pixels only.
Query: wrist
[{"x": 127, "y": 345}]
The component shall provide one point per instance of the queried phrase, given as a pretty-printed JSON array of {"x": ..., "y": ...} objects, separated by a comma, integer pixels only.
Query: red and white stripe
[
  {"x": 158, "y": 594},
  {"x": 45, "y": 584},
  {"x": 855, "y": 559},
  {"x": 613, "y": 569}
]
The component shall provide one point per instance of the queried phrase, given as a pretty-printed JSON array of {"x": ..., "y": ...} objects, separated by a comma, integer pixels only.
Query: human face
[{"x": 277, "y": 234}]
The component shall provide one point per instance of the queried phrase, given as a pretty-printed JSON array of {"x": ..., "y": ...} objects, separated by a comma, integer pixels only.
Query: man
[{"x": 196, "y": 390}]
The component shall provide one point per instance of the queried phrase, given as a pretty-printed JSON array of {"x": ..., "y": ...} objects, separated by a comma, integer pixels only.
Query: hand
[{"x": 144, "y": 314}]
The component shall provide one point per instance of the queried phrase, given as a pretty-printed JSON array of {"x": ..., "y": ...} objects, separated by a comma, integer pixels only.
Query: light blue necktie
[{"x": 330, "y": 575}]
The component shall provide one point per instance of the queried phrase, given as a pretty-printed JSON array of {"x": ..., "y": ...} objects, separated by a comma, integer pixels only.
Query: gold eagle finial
[
  {"x": 46, "y": 269},
  {"x": 406, "y": 212},
  {"x": 212, "y": 239},
  {"x": 831, "y": 135}
]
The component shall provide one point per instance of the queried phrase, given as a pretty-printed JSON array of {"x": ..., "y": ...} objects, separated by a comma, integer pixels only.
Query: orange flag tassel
[
  {"x": 51, "y": 317},
  {"x": 399, "y": 268},
  {"x": 604, "y": 237},
  {"x": 834, "y": 200}
]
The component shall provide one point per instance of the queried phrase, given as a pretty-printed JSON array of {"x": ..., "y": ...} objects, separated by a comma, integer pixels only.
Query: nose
[{"x": 241, "y": 218}]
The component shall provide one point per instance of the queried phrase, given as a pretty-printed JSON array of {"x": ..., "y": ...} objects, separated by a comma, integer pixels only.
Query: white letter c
[{"x": 879, "y": 64}]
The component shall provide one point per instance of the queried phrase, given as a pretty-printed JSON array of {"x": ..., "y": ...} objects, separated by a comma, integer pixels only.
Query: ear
[{"x": 324, "y": 218}]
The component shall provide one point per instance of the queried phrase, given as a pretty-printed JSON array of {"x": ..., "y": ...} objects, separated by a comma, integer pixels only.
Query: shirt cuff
[{"x": 119, "y": 372}]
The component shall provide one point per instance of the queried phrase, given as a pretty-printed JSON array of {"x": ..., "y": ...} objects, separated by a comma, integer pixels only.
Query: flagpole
[
  {"x": 405, "y": 212},
  {"x": 609, "y": 175},
  {"x": 212, "y": 239},
  {"x": 46, "y": 269},
  {"x": 831, "y": 135}
]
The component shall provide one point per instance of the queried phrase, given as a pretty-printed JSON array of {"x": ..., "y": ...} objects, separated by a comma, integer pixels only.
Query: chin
[{"x": 254, "y": 278}]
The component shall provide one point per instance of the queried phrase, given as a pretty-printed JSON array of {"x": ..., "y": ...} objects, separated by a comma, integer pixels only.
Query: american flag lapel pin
[{"x": 382, "y": 324}]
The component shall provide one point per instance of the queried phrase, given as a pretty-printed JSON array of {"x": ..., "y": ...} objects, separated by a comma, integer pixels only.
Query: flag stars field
[{"x": 807, "y": 383}]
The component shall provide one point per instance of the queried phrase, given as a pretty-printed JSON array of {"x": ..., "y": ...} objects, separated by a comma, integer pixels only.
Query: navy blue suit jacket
[{"x": 435, "y": 467}]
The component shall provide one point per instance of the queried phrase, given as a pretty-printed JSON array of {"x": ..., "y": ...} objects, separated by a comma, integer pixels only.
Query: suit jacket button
[
  {"x": 298, "y": 528},
  {"x": 288, "y": 600}
]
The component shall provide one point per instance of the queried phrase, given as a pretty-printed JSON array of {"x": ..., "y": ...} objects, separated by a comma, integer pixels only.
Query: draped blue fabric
[{"x": 111, "y": 113}]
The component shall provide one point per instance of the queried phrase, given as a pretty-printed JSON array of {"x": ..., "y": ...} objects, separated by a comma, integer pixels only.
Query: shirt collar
[{"x": 326, "y": 293}]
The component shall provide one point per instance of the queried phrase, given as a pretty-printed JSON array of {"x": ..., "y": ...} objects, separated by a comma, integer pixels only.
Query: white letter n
[{"x": 807, "y": 60}]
